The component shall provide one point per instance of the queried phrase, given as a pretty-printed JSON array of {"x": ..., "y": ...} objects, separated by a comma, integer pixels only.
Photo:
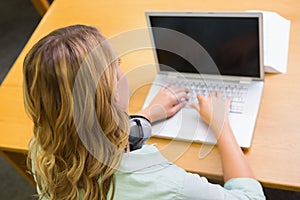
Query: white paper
[{"x": 276, "y": 33}]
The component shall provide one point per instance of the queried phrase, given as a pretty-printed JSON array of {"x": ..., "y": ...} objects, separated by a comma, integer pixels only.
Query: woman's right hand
[{"x": 214, "y": 111}]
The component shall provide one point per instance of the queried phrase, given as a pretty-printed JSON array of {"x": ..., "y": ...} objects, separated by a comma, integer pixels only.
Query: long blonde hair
[{"x": 79, "y": 131}]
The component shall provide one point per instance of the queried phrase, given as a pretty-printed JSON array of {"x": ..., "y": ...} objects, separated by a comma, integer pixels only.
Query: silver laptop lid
[{"x": 193, "y": 42}]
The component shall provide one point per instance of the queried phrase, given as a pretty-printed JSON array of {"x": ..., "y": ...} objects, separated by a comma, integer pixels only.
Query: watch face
[
  {"x": 140, "y": 131},
  {"x": 136, "y": 137}
]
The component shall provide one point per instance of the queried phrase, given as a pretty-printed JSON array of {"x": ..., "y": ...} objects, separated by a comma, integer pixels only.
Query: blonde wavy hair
[{"x": 79, "y": 131}]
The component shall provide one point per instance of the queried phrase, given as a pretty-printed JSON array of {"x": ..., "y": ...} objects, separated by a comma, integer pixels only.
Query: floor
[
  {"x": 18, "y": 19},
  {"x": 17, "y": 22}
]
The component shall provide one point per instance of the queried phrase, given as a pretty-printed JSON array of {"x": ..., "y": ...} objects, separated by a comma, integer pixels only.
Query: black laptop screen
[{"x": 231, "y": 42}]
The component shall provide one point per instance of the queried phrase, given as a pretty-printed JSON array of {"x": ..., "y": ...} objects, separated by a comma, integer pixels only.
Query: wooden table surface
[{"x": 275, "y": 151}]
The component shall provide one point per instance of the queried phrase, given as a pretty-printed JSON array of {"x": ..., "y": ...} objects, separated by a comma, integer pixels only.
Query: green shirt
[{"x": 145, "y": 174}]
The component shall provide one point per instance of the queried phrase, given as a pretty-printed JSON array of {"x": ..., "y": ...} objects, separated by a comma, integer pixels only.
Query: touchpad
[{"x": 184, "y": 125}]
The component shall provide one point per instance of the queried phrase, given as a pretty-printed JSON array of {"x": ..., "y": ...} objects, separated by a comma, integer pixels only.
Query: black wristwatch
[{"x": 140, "y": 131}]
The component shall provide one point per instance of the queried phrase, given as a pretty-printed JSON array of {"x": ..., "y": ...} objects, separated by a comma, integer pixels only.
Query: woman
[{"x": 77, "y": 95}]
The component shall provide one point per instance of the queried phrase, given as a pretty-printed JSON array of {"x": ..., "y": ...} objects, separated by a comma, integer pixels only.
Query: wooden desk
[{"x": 275, "y": 153}]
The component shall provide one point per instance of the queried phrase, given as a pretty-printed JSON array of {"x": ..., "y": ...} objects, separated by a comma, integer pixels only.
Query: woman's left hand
[{"x": 168, "y": 101}]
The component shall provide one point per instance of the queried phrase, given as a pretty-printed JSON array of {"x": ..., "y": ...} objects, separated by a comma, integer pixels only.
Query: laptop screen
[{"x": 231, "y": 42}]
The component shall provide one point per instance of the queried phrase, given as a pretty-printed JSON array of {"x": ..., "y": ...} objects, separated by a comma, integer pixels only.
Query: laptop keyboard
[{"x": 237, "y": 91}]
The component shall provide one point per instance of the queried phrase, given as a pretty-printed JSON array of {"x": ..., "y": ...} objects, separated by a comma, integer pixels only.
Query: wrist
[
  {"x": 146, "y": 114},
  {"x": 222, "y": 130}
]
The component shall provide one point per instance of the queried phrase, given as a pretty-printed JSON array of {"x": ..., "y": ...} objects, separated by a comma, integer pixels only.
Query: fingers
[
  {"x": 215, "y": 96},
  {"x": 218, "y": 101},
  {"x": 174, "y": 89},
  {"x": 228, "y": 101},
  {"x": 177, "y": 107},
  {"x": 177, "y": 94},
  {"x": 219, "y": 94},
  {"x": 178, "y": 90},
  {"x": 167, "y": 86},
  {"x": 200, "y": 97},
  {"x": 182, "y": 96}
]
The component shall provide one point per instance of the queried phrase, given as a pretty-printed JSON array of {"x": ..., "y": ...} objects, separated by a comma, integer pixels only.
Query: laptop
[{"x": 208, "y": 51}]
